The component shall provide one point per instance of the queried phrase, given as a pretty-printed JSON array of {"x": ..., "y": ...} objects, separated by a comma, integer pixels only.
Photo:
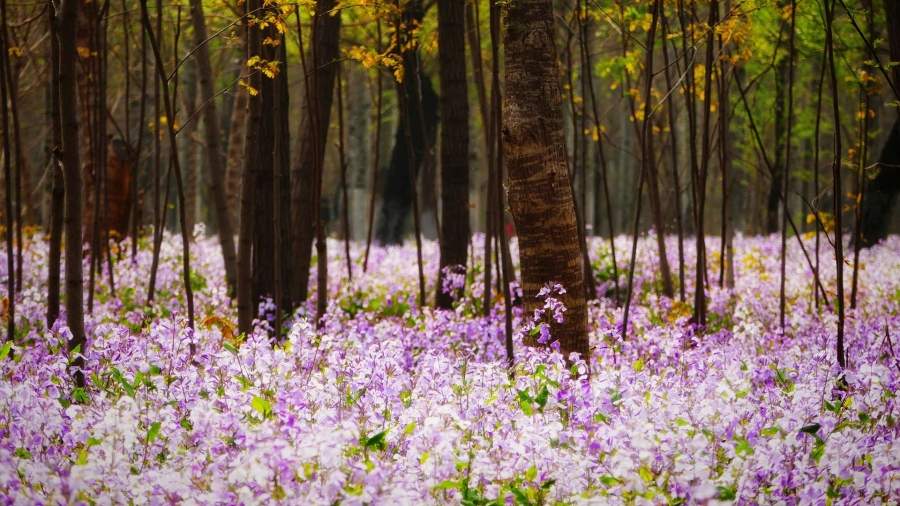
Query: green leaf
[
  {"x": 152, "y": 432},
  {"x": 639, "y": 365},
  {"x": 22, "y": 453},
  {"x": 681, "y": 422},
  {"x": 377, "y": 441},
  {"x": 771, "y": 431},
  {"x": 609, "y": 480},
  {"x": 261, "y": 405},
  {"x": 547, "y": 484},
  {"x": 122, "y": 381},
  {"x": 726, "y": 493},
  {"x": 79, "y": 396},
  {"x": 645, "y": 473},
  {"x": 542, "y": 396},
  {"x": 410, "y": 427},
  {"x": 4, "y": 351},
  {"x": 525, "y": 401},
  {"x": 228, "y": 346},
  {"x": 447, "y": 485},
  {"x": 186, "y": 424},
  {"x": 531, "y": 473},
  {"x": 812, "y": 428},
  {"x": 521, "y": 498},
  {"x": 92, "y": 441},
  {"x": 82, "y": 458},
  {"x": 818, "y": 451}
]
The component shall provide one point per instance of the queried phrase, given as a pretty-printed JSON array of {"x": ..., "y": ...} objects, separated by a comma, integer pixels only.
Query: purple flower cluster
[{"x": 391, "y": 403}]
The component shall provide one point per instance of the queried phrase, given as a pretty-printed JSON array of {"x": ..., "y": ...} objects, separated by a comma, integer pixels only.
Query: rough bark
[
  {"x": 309, "y": 152},
  {"x": 454, "y": 143},
  {"x": 68, "y": 103},
  {"x": 214, "y": 160},
  {"x": 264, "y": 240},
  {"x": 540, "y": 196}
]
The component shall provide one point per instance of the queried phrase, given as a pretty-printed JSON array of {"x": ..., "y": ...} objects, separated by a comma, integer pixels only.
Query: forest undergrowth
[{"x": 390, "y": 403}]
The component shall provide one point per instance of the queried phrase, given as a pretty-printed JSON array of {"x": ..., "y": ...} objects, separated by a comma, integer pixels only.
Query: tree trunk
[
  {"x": 68, "y": 101},
  {"x": 881, "y": 192},
  {"x": 87, "y": 82},
  {"x": 57, "y": 203},
  {"x": 119, "y": 188},
  {"x": 359, "y": 125},
  {"x": 311, "y": 141},
  {"x": 211, "y": 120},
  {"x": 264, "y": 242},
  {"x": 539, "y": 192},
  {"x": 779, "y": 163},
  {"x": 248, "y": 182},
  {"x": 454, "y": 144},
  {"x": 235, "y": 154}
]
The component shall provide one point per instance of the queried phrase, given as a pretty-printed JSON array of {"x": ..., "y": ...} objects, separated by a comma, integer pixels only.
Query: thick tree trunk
[
  {"x": 881, "y": 192},
  {"x": 311, "y": 141},
  {"x": 264, "y": 243},
  {"x": 68, "y": 101},
  {"x": 214, "y": 160},
  {"x": 359, "y": 125},
  {"x": 539, "y": 192},
  {"x": 454, "y": 144},
  {"x": 397, "y": 195}
]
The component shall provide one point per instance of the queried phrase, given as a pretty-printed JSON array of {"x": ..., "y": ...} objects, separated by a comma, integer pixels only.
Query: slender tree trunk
[
  {"x": 342, "y": 156},
  {"x": 838, "y": 192},
  {"x": 700, "y": 175},
  {"x": 539, "y": 194},
  {"x": 189, "y": 97},
  {"x": 649, "y": 164},
  {"x": 214, "y": 159},
  {"x": 311, "y": 141},
  {"x": 778, "y": 167},
  {"x": 170, "y": 114},
  {"x": 7, "y": 171},
  {"x": 235, "y": 155},
  {"x": 454, "y": 144},
  {"x": 57, "y": 204},
  {"x": 68, "y": 102},
  {"x": 673, "y": 149},
  {"x": 376, "y": 149},
  {"x": 604, "y": 172},
  {"x": 248, "y": 182},
  {"x": 785, "y": 211}
]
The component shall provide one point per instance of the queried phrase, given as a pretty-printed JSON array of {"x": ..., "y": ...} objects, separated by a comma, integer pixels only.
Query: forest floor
[{"x": 389, "y": 403}]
